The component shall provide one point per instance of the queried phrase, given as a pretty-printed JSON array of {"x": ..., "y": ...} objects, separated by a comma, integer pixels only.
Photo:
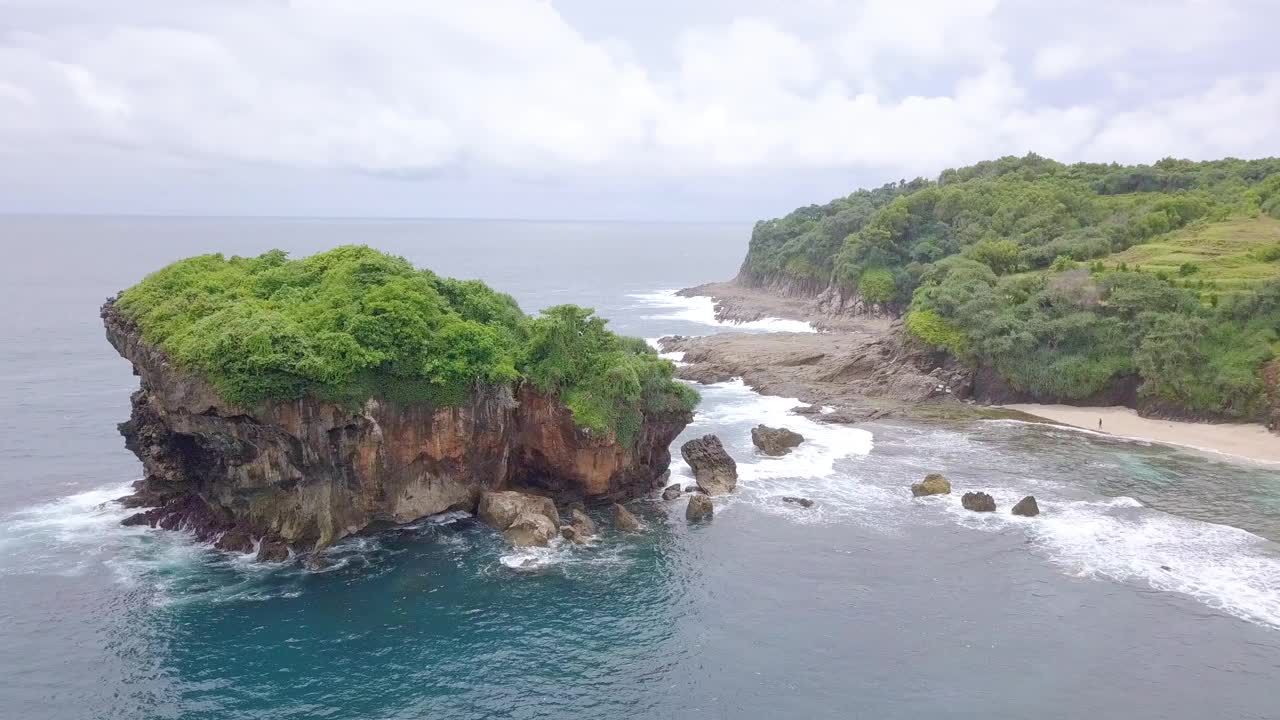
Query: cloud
[{"x": 514, "y": 89}]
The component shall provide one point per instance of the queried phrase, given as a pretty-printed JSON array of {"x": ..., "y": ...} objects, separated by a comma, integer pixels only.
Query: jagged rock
[
  {"x": 978, "y": 502},
  {"x": 522, "y": 518},
  {"x": 699, "y": 508},
  {"x": 933, "y": 484},
  {"x": 775, "y": 441},
  {"x": 1027, "y": 507},
  {"x": 310, "y": 472},
  {"x": 713, "y": 469},
  {"x": 672, "y": 492},
  {"x": 623, "y": 519},
  {"x": 316, "y": 562},
  {"x": 235, "y": 540},
  {"x": 272, "y": 551},
  {"x": 802, "y": 502},
  {"x": 580, "y": 529},
  {"x": 692, "y": 489}
]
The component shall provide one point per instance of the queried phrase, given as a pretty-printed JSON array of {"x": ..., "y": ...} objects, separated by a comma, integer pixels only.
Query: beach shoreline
[{"x": 1248, "y": 441}]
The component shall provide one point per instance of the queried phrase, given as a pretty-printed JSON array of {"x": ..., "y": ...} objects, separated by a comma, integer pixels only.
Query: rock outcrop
[
  {"x": 623, "y": 519},
  {"x": 1027, "y": 507},
  {"x": 581, "y": 527},
  {"x": 978, "y": 502},
  {"x": 802, "y": 502},
  {"x": 714, "y": 470},
  {"x": 775, "y": 441},
  {"x": 308, "y": 472},
  {"x": 699, "y": 508},
  {"x": 671, "y": 492},
  {"x": 933, "y": 484}
]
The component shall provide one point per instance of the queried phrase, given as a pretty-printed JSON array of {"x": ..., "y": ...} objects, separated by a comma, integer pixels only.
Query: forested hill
[{"x": 1067, "y": 280}]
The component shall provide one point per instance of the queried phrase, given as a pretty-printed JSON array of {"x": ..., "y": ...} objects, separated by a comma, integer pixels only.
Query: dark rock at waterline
[
  {"x": 775, "y": 441},
  {"x": 978, "y": 502},
  {"x": 623, "y": 519},
  {"x": 713, "y": 468},
  {"x": 933, "y": 484},
  {"x": 316, "y": 562},
  {"x": 699, "y": 508},
  {"x": 802, "y": 502},
  {"x": 580, "y": 529},
  {"x": 1027, "y": 507},
  {"x": 672, "y": 492},
  {"x": 272, "y": 551},
  {"x": 692, "y": 489},
  {"x": 235, "y": 540}
]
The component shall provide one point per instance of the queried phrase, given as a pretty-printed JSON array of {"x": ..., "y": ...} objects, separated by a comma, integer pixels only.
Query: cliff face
[
  {"x": 308, "y": 472},
  {"x": 827, "y": 299}
]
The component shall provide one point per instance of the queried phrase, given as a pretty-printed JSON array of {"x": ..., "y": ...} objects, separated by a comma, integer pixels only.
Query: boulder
[
  {"x": 531, "y": 529},
  {"x": 316, "y": 562},
  {"x": 978, "y": 502},
  {"x": 802, "y": 502},
  {"x": 580, "y": 529},
  {"x": 775, "y": 441},
  {"x": 713, "y": 469},
  {"x": 623, "y": 519},
  {"x": 1027, "y": 507},
  {"x": 272, "y": 551},
  {"x": 672, "y": 492},
  {"x": 699, "y": 508},
  {"x": 235, "y": 540},
  {"x": 692, "y": 489},
  {"x": 499, "y": 510},
  {"x": 933, "y": 484}
]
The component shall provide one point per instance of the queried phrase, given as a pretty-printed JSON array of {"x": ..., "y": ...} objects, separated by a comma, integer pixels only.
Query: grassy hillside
[
  {"x": 1067, "y": 280},
  {"x": 354, "y": 323}
]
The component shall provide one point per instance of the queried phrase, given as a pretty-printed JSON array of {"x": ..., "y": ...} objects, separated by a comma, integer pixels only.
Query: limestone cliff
[{"x": 308, "y": 472}]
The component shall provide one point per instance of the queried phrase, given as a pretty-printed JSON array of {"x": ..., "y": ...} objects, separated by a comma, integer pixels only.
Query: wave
[{"x": 702, "y": 311}]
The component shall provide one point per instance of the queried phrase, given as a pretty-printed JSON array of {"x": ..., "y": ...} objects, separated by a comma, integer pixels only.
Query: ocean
[{"x": 1148, "y": 588}]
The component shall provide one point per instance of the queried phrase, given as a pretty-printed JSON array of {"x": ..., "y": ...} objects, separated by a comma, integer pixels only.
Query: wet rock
[
  {"x": 672, "y": 492},
  {"x": 692, "y": 489},
  {"x": 316, "y": 562},
  {"x": 699, "y": 508},
  {"x": 775, "y": 441},
  {"x": 933, "y": 484},
  {"x": 623, "y": 519},
  {"x": 802, "y": 502},
  {"x": 531, "y": 529},
  {"x": 713, "y": 469},
  {"x": 978, "y": 502},
  {"x": 702, "y": 374},
  {"x": 235, "y": 540},
  {"x": 580, "y": 529},
  {"x": 272, "y": 551},
  {"x": 1027, "y": 507},
  {"x": 524, "y": 519}
]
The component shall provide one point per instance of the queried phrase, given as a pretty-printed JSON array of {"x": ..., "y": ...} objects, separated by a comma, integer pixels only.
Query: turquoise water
[{"x": 1149, "y": 588}]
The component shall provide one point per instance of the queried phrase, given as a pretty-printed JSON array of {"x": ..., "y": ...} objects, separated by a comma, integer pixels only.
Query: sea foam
[{"x": 702, "y": 311}]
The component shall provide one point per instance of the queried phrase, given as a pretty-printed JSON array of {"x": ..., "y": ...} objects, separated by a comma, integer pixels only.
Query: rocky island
[{"x": 285, "y": 404}]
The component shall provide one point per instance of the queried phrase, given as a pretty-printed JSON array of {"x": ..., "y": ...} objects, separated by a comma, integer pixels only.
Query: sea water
[{"x": 1148, "y": 588}]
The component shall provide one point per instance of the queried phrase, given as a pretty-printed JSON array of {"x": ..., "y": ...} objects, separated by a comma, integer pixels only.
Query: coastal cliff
[{"x": 307, "y": 472}]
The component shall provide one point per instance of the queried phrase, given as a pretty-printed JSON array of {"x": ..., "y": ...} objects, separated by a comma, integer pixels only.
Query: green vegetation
[
  {"x": 1066, "y": 279},
  {"x": 354, "y": 323}
]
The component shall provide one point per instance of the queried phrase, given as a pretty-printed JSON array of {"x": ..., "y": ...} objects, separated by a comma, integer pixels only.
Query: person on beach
[{"x": 1099, "y": 423}]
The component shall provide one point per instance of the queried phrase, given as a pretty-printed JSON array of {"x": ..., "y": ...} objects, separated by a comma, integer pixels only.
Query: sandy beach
[{"x": 1250, "y": 441}]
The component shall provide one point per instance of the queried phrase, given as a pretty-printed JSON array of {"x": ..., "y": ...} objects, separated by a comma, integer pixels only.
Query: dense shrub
[{"x": 353, "y": 323}]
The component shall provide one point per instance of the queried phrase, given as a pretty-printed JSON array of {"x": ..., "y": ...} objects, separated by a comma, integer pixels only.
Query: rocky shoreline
[{"x": 295, "y": 476}]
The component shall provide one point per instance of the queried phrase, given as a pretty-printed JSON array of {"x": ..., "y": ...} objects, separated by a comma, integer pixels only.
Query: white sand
[{"x": 1249, "y": 441}]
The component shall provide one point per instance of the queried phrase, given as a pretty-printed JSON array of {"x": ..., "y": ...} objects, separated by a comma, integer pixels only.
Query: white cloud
[{"x": 513, "y": 88}]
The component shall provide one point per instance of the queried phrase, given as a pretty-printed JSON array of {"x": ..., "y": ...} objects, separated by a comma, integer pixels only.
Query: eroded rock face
[
  {"x": 715, "y": 472},
  {"x": 308, "y": 472},
  {"x": 699, "y": 508},
  {"x": 1027, "y": 507},
  {"x": 522, "y": 518},
  {"x": 978, "y": 502},
  {"x": 775, "y": 441},
  {"x": 933, "y": 484}
]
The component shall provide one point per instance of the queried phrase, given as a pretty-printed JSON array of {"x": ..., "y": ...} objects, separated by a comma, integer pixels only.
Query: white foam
[{"x": 702, "y": 310}]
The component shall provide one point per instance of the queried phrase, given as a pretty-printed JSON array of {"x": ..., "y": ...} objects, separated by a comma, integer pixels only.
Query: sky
[{"x": 598, "y": 110}]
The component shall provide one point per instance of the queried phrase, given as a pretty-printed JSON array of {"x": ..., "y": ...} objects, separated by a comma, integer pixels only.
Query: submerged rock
[
  {"x": 775, "y": 441},
  {"x": 316, "y": 562},
  {"x": 933, "y": 484},
  {"x": 272, "y": 551},
  {"x": 699, "y": 508},
  {"x": 671, "y": 492},
  {"x": 692, "y": 489},
  {"x": 713, "y": 468},
  {"x": 1027, "y": 507},
  {"x": 802, "y": 502},
  {"x": 524, "y": 519},
  {"x": 978, "y": 502},
  {"x": 623, "y": 519}
]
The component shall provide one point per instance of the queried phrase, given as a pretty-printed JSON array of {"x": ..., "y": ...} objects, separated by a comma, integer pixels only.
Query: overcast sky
[{"x": 655, "y": 110}]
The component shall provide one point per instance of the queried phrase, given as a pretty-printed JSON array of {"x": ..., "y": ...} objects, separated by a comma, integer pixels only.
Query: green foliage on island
[
  {"x": 1065, "y": 279},
  {"x": 354, "y": 323}
]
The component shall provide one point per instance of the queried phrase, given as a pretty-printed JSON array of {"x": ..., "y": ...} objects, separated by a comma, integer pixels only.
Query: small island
[{"x": 288, "y": 403}]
